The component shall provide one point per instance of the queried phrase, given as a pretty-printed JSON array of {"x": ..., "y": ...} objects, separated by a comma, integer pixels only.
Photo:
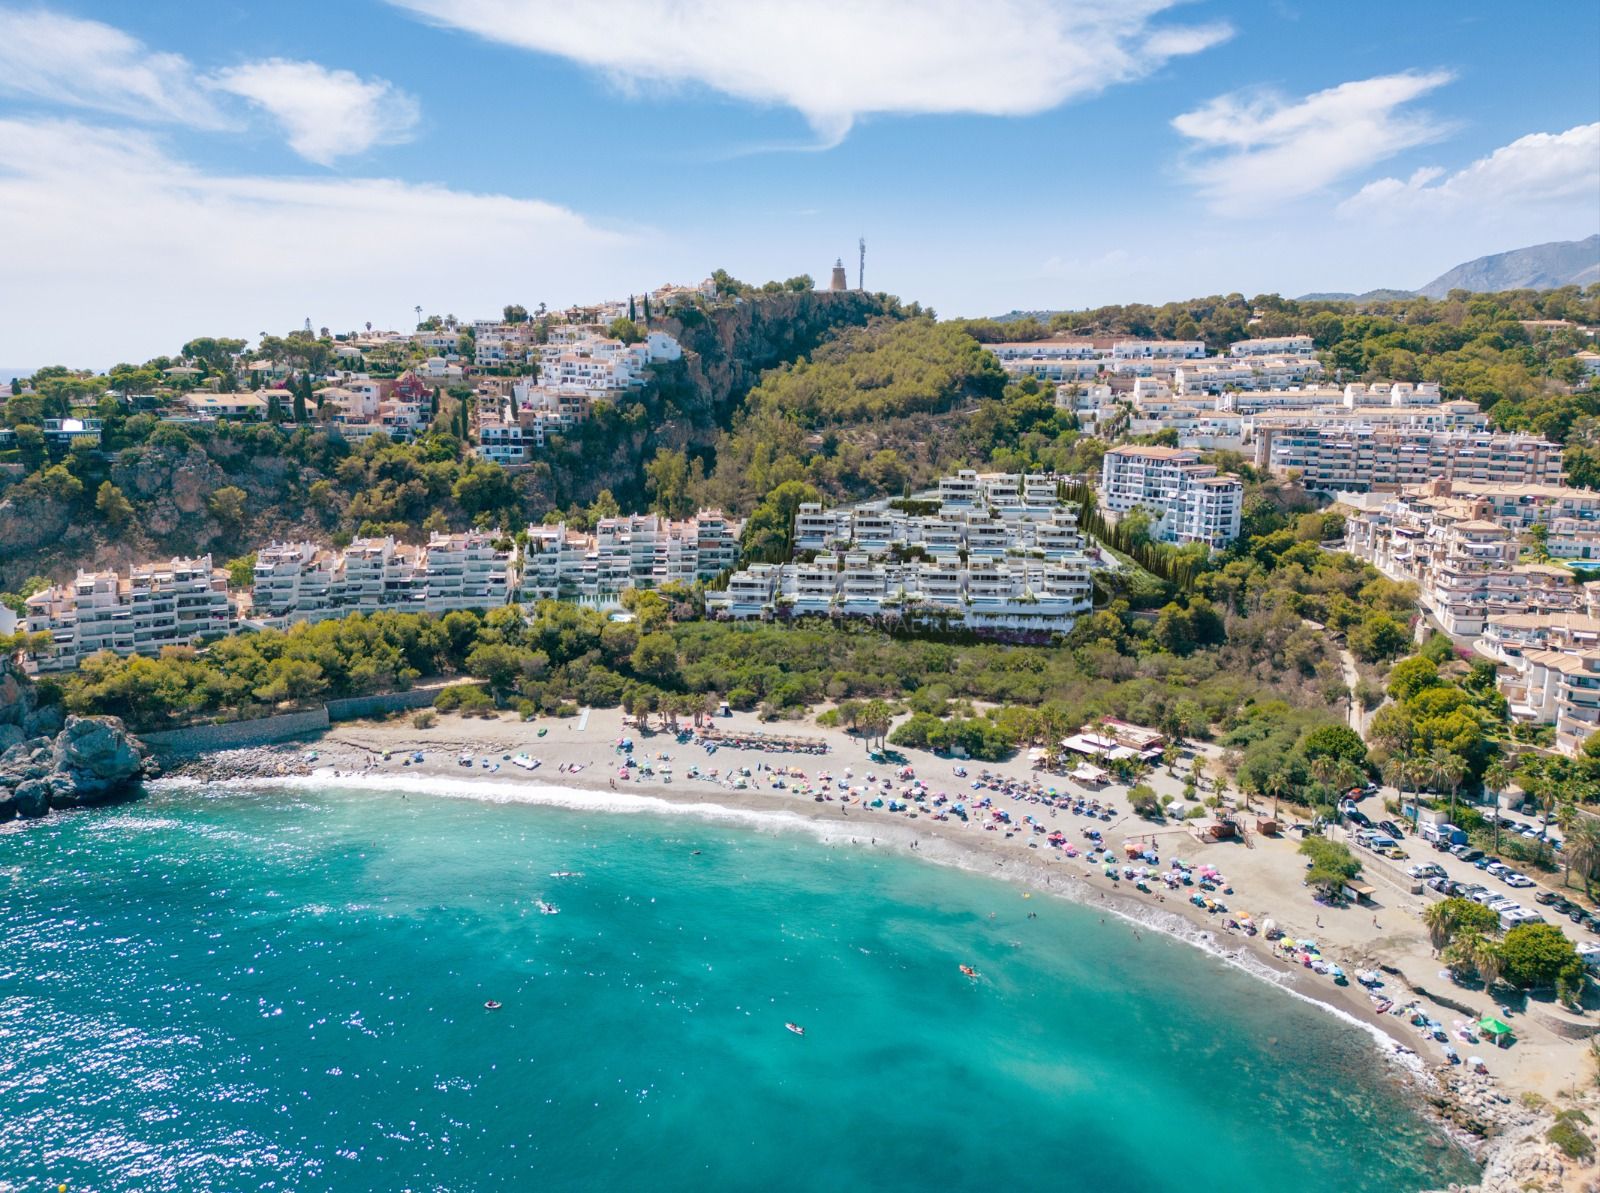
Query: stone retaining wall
[
  {"x": 356, "y": 707},
  {"x": 238, "y": 734}
]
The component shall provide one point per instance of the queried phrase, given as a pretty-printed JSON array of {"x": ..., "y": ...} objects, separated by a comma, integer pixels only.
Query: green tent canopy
[{"x": 1493, "y": 1027}]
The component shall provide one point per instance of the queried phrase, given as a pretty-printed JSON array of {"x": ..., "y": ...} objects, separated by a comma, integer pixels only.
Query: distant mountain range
[{"x": 1538, "y": 267}]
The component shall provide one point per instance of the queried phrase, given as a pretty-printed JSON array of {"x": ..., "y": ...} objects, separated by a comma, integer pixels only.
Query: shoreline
[{"x": 1479, "y": 1113}]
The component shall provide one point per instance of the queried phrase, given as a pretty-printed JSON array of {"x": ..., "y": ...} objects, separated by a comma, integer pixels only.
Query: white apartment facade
[
  {"x": 157, "y": 605},
  {"x": 304, "y": 582},
  {"x": 1358, "y": 459},
  {"x": 1272, "y": 346},
  {"x": 637, "y": 552},
  {"x": 1191, "y": 502}
]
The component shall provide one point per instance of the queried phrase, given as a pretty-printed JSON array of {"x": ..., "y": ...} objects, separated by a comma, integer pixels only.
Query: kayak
[
  {"x": 969, "y": 971},
  {"x": 796, "y": 1028}
]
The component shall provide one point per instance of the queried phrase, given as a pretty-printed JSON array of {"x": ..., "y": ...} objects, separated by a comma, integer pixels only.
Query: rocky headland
[{"x": 50, "y": 760}]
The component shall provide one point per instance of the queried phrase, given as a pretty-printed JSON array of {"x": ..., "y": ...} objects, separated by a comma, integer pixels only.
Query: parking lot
[{"x": 1520, "y": 894}]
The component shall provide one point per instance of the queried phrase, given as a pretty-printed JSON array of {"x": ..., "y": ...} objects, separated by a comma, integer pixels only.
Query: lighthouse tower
[{"x": 840, "y": 280}]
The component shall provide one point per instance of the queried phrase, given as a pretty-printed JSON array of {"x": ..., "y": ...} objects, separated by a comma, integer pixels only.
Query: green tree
[
  {"x": 769, "y": 531},
  {"x": 1533, "y": 956},
  {"x": 1335, "y": 741},
  {"x": 227, "y": 504},
  {"x": 1410, "y": 676},
  {"x": 656, "y": 658},
  {"x": 113, "y": 505},
  {"x": 242, "y": 572},
  {"x": 1332, "y": 864},
  {"x": 875, "y": 718},
  {"x": 625, "y": 330}
]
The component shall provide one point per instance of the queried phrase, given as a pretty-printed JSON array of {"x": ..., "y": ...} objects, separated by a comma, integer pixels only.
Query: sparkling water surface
[{"x": 225, "y": 989}]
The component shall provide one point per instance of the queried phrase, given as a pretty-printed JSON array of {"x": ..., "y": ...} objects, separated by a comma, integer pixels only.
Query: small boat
[
  {"x": 548, "y": 908},
  {"x": 566, "y": 874},
  {"x": 969, "y": 971},
  {"x": 796, "y": 1028},
  {"x": 491, "y": 1005}
]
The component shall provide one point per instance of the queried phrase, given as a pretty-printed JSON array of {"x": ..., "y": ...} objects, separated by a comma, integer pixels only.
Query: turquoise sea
[{"x": 226, "y": 989}]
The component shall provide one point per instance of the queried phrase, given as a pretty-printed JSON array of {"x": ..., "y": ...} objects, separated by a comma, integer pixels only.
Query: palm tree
[
  {"x": 1583, "y": 847},
  {"x": 1275, "y": 785},
  {"x": 1500, "y": 775},
  {"x": 1473, "y": 951},
  {"x": 1325, "y": 769},
  {"x": 1442, "y": 921},
  {"x": 1400, "y": 772},
  {"x": 1449, "y": 768}
]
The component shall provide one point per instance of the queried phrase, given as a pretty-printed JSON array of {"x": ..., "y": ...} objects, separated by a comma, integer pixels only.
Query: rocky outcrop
[
  {"x": 91, "y": 760},
  {"x": 21, "y": 716},
  {"x": 170, "y": 485},
  {"x": 30, "y": 518}
]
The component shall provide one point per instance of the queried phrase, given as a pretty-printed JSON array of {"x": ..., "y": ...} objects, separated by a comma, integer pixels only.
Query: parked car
[
  {"x": 1518, "y": 880},
  {"x": 1483, "y": 863},
  {"x": 1425, "y": 870},
  {"x": 1390, "y": 827},
  {"x": 1498, "y": 869},
  {"x": 1395, "y": 852},
  {"x": 1444, "y": 885},
  {"x": 1467, "y": 853},
  {"x": 1357, "y": 817},
  {"x": 1550, "y": 899}
]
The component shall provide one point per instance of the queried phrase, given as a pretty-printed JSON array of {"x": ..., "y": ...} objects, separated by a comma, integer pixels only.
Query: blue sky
[{"x": 178, "y": 168}]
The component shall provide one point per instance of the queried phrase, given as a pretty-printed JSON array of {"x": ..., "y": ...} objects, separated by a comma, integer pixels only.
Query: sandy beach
[{"x": 579, "y": 761}]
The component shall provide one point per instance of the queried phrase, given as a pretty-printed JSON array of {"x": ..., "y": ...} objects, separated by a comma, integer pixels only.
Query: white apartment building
[
  {"x": 506, "y": 444},
  {"x": 1220, "y": 374},
  {"x": 1509, "y": 636},
  {"x": 1465, "y": 568},
  {"x": 1560, "y": 688},
  {"x": 597, "y": 364},
  {"x": 1001, "y": 554},
  {"x": 154, "y": 606},
  {"x": 303, "y": 582},
  {"x": 1272, "y": 346},
  {"x": 1570, "y": 517},
  {"x": 1158, "y": 350},
  {"x": 642, "y": 551},
  {"x": 1357, "y": 459},
  {"x": 1191, "y": 502}
]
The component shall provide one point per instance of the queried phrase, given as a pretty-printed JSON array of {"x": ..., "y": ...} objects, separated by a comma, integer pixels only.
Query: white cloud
[
  {"x": 836, "y": 60},
  {"x": 145, "y": 250},
  {"x": 1253, "y": 151},
  {"x": 1540, "y": 171},
  {"x": 57, "y": 59},
  {"x": 325, "y": 114}
]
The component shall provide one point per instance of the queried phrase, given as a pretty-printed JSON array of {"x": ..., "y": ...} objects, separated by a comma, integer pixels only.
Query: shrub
[
  {"x": 1144, "y": 801},
  {"x": 1574, "y": 1144},
  {"x": 424, "y": 718}
]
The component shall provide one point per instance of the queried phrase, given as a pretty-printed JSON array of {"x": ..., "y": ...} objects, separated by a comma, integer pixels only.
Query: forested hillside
[{"x": 887, "y": 408}]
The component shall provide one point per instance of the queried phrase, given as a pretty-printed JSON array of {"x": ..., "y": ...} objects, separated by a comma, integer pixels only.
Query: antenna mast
[{"x": 861, "y": 269}]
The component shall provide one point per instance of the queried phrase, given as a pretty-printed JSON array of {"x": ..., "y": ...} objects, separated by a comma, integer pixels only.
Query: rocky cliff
[{"x": 727, "y": 349}]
